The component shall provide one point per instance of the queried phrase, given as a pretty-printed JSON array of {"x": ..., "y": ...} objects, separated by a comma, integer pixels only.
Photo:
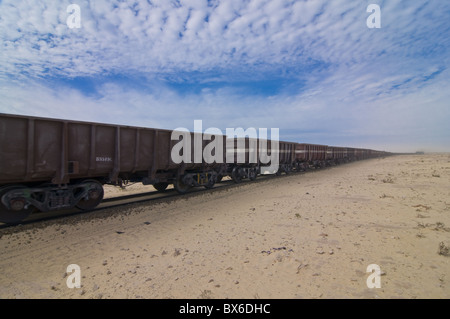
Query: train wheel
[
  {"x": 252, "y": 174},
  {"x": 209, "y": 185},
  {"x": 236, "y": 175},
  {"x": 161, "y": 187},
  {"x": 93, "y": 197},
  {"x": 278, "y": 173},
  {"x": 288, "y": 168},
  {"x": 18, "y": 210},
  {"x": 212, "y": 179},
  {"x": 181, "y": 187}
]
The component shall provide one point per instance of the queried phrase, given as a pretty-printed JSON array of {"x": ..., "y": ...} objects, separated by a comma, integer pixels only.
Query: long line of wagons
[{"x": 50, "y": 164}]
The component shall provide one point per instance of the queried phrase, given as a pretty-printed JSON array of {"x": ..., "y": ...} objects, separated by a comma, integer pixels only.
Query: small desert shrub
[{"x": 388, "y": 180}]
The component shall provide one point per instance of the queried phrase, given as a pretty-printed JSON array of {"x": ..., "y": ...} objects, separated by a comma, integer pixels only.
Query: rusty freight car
[
  {"x": 51, "y": 164},
  {"x": 336, "y": 155},
  {"x": 310, "y": 155},
  {"x": 48, "y": 164},
  {"x": 286, "y": 157}
]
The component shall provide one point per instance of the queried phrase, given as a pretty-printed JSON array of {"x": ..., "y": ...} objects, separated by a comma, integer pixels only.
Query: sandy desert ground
[{"x": 307, "y": 235}]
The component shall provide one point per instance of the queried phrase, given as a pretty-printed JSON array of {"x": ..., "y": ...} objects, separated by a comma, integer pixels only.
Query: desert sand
[{"x": 309, "y": 235}]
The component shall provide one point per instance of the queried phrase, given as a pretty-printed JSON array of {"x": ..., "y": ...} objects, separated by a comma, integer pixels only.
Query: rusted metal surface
[
  {"x": 336, "y": 153},
  {"x": 58, "y": 151},
  {"x": 49, "y": 164},
  {"x": 37, "y": 149},
  {"x": 311, "y": 152},
  {"x": 287, "y": 152}
]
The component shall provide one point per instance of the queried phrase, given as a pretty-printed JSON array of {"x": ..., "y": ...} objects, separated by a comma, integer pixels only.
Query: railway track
[
  {"x": 138, "y": 198},
  {"x": 64, "y": 163}
]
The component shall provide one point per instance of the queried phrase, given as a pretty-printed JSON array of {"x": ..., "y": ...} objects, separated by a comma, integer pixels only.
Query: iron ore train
[{"x": 51, "y": 164}]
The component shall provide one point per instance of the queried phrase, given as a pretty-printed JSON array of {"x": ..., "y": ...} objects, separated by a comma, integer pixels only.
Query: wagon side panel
[{"x": 14, "y": 149}]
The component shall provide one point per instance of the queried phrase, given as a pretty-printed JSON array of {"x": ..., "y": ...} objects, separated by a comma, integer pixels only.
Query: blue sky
[{"x": 311, "y": 68}]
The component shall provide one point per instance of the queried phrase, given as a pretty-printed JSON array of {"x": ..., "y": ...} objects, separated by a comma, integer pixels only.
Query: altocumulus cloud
[{"x": 312, "y": 68}]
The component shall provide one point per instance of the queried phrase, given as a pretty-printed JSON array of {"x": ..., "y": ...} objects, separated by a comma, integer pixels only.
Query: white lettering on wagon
[{"x": 103, "y": 159}]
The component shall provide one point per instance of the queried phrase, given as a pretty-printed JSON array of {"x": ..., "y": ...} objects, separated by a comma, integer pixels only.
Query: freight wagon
[
  {"x": 51, "y": 164},
  {"x": 310, "y": 155},
  {"x": 336, "y": 155}
]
